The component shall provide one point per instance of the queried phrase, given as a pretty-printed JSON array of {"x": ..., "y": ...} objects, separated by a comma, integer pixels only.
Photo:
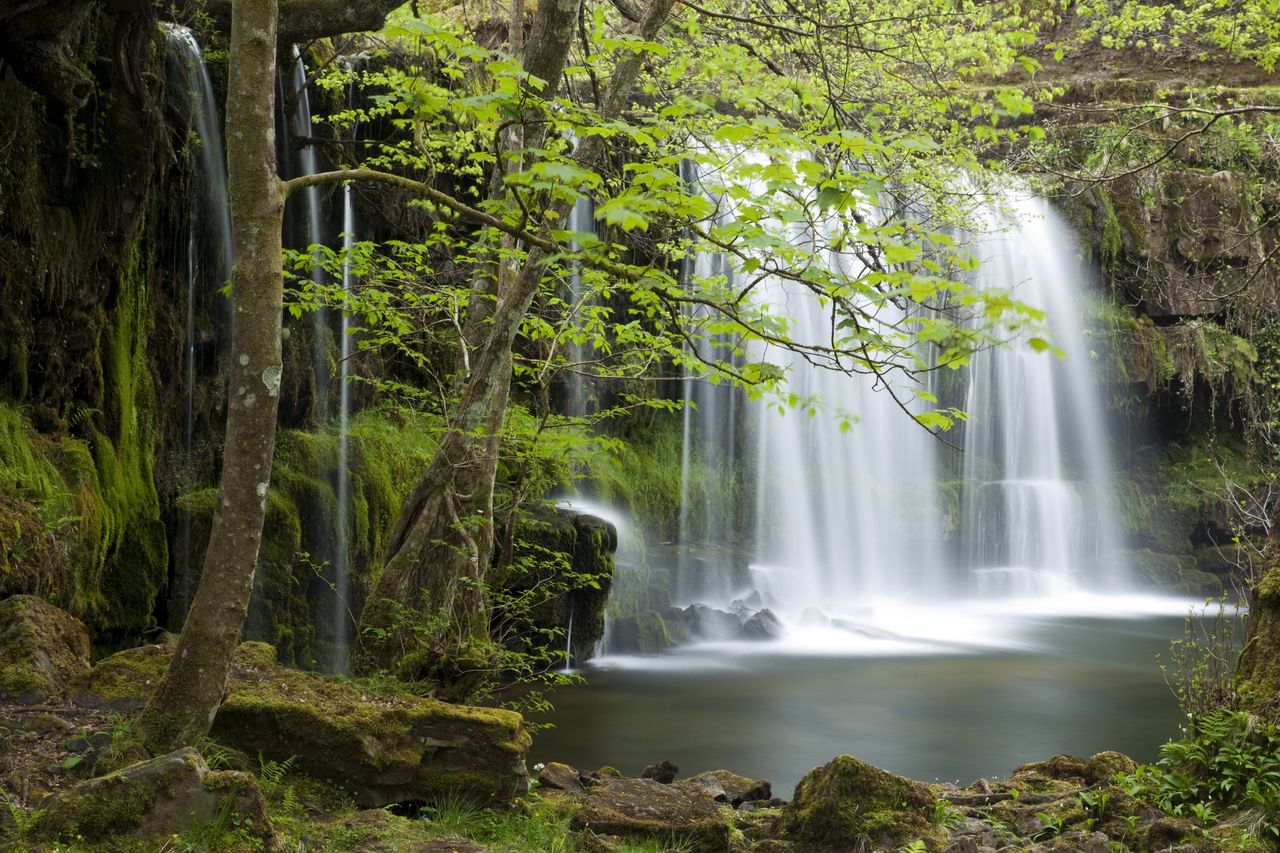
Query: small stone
[
  {"x": 560, "y": 777},
  {"x": 963, "y": 845},
  {"x": 664, "y": 772}
]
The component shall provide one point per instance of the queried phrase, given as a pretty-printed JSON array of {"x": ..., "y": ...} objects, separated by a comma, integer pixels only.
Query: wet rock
[
  {"x": 152, "y": 799},
  {"x": 1105, "y": 766},
  {"x": 644, "y": 808},
  {"x": 711, "y": 624},
  {"x": 708, "y": 786},
  {"x": 738, "y": 789},
  {"x": 43, "y": 650},
  {"x": 384, "y": 748},
  {"x": 664, "y": 772},
  {"x": 846, "y": 803},
  {"x": 814, "y": 618},
  {"x": 587, "y": 544},
  {"x": 560, "y": 777},
  {"x": 764, "y": 625},
  {"x": 645, "y": 633}
]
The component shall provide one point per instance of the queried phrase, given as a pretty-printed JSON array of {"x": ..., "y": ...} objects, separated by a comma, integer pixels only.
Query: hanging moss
[{"x": 387, "y": 451}]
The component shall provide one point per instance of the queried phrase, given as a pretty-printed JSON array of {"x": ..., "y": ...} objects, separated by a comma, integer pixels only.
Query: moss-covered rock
[
  {"x": 43, "y": 649},
  {"x": 737, "y": 789},
  {"x": 562, "y": 560},
  {"x": 383, "y": 746},
  {"x": 848, "y": 804},
  {"x": 160, "y": 797},
  {"x": 643, "y": 808},
  {"x": 646, "y": 633}
]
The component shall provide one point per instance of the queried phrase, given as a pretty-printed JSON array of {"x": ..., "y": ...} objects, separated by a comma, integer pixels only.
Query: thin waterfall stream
[{"x": 208, "y": 267}]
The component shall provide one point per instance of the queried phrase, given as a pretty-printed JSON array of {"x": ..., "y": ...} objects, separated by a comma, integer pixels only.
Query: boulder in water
[
  {"x": 645, "y": 633},
  {"x": 762, "y": 626},
  {"x": 814, "y": 618},
  {"x": 711, "y": 624}
]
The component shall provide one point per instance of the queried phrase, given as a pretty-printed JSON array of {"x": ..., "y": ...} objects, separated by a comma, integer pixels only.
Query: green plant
[
  {"x": 1201, "y": 665},
  {"x": 945, "y": 815},
  {"x": 273, "y": 780},
  {"x": 916, "y": 846},
  {"x": 1229, "y": 761},
  {"x": 1052, "y": 825}
]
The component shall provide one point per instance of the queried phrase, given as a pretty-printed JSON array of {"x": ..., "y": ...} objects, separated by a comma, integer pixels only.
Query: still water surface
[{"x": 1041, "y": 683}]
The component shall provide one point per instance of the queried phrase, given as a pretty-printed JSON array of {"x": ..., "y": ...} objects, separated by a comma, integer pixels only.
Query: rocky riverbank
[{"x": 302, "y": 761}]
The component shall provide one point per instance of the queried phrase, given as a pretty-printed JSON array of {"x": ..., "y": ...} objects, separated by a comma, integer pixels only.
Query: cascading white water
[
  {"x": 577, "y": 392},
  {"x": 849, "y": 522},
  {"x": 300, "y": 132},
  {"x": 1037, "y": 513},
  {"x": 208, "y": 257},
  {"x": 342, "y": 557},
  {"x": 303, "y": 161},
  {"x": 844, "y": 518}
]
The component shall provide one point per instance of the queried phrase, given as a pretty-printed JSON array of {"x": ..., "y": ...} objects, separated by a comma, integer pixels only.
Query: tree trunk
[
  {"x": 187, "y": 699},
  {"x": 442, "y": 546},
  {"x": 1258, "y": 672}
]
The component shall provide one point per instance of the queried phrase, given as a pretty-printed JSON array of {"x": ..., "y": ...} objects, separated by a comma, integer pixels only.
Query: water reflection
[{"x": 1059, "y": 683}]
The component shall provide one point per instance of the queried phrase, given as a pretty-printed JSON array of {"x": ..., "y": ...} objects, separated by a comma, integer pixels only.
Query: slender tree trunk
[
  {"x": 185, "y": 703},
  {"x": 440, "y": 552},
  {"x": 1258, "y": 672}
]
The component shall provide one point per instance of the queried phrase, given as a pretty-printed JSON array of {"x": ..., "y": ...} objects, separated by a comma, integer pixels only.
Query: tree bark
[
  {"x": 186, "y": 701},
  {"x": 442, "y": 546},
  {"x": 1258, "y": 671}
]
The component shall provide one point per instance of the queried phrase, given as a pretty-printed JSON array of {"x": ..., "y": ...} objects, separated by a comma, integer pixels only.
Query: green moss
[
  {"x": 847, "y": 803},
  {"x": 129, "y": 675},
  {"x": 113, "y": 808},
  {"x": 17, "y": 681}
]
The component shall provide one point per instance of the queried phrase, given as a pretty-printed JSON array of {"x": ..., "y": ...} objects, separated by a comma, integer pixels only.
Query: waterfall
[
  {"x": 300, "y": 129},
  {"x": 845, "y": 516},
  {"x": 568, "y": 643},
  {"x": 1037, "y": 513},
  {"x": 577, "y": 403},
  {"x": 333, "y": 539},
  {"x": 870, "y": 514},
  {"x": 342, "y": 557},
  {"x": 208, "y": 247}
]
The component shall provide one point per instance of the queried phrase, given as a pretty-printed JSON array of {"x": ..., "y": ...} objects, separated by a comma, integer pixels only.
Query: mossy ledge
[{"x": 382, "y": 745}]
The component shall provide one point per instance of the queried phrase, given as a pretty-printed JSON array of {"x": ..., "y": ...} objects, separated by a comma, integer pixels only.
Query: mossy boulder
[
  {"x": 848, "y": 804},
  {"x": 647, "y": 633},
  {"x": 152, "y": 799},
  {"x": 1178, "y": 572},
  {"x": 42, "y": 649},
  {"x": 643, "y": 808},
  {"x": 570, "y": 553},
  {"x": 381, "y": 745}
]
